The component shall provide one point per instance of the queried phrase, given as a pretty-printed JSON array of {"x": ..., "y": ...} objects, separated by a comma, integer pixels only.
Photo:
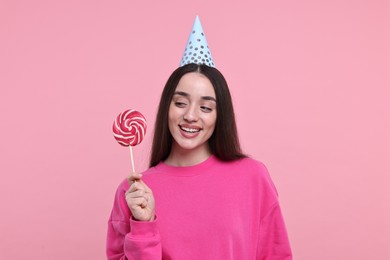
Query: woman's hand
[{"x": 140, "y": 199}]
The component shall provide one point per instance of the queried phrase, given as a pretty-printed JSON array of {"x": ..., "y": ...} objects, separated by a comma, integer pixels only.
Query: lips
[{"x": 189, "y": 131}]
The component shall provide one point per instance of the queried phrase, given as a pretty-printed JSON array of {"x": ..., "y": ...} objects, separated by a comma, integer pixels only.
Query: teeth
[{"x": 190, "y": 130}]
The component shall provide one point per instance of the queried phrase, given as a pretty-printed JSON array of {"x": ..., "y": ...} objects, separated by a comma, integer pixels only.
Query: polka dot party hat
[{"x": 197, "y": 51}]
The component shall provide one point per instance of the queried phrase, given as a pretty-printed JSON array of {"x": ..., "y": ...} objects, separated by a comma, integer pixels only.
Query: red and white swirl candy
[{"x": 129, "y": 128}]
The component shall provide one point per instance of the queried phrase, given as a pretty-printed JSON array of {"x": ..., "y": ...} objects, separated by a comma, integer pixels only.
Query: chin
[{"x": 189, "y": 146}]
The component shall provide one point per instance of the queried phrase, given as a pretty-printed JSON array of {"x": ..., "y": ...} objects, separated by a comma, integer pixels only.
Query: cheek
[
  {"x": 171, "y": 114},
  {"x": 211, "y": 122},
  {"x": 173, "y": 118},
  {"x": 171, "y": 122}
]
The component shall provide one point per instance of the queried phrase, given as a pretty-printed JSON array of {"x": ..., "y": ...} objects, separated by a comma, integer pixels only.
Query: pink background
[{"x": 310, "y": 82}]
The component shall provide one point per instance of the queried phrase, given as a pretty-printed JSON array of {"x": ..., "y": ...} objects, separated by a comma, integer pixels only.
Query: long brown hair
[{"x": 223, "y": 143}]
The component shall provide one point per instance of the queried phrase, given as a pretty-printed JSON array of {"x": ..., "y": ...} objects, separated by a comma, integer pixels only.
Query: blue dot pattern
[{"x": 197, "y": 50}]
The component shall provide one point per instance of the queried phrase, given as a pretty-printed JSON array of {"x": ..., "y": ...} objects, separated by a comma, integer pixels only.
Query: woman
[{"x": 202, "y": 198}]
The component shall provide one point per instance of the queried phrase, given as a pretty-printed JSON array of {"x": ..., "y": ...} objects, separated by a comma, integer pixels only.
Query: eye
[
  {"x": 206, "y": 109},
  {"x": 180, "y": 104}
]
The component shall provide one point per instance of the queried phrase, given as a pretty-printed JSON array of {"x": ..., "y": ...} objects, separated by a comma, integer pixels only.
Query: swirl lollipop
[{"x": 129, "y": 129}]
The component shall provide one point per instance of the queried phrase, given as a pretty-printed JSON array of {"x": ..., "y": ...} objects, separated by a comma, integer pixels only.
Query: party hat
[{"x": 197, "y": 51}]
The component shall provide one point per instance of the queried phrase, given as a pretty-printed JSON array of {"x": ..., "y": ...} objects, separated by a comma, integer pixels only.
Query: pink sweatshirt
[{"x": 213, "y": 210}]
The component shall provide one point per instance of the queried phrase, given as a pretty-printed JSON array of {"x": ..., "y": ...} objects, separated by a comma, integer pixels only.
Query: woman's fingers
[
  {"x": 133, "y": 177},
  {"x": 137, "y": 198},
  {"x": 139, "y": 202},
  {"x": 140, "y": 199},
  {"x": 133, "y": 187},
  {"x": 139, "y": 185},
  {"x": 135, "y": 193}
]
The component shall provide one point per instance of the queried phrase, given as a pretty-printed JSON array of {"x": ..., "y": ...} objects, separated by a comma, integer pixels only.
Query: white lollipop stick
[{"x": 132, "y": 158}]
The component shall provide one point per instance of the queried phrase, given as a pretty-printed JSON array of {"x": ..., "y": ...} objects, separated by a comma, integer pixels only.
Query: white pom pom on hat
[{"x": 197, "y": 50}]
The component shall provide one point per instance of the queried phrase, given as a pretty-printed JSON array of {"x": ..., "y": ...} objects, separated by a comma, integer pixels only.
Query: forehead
[{"x": 196, "y": 84}]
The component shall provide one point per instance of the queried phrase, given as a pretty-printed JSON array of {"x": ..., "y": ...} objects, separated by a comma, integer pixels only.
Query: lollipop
[{"x": 129, "y": 129}]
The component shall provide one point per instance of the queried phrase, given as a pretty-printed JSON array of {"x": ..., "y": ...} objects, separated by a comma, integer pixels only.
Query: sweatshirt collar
[{"x": 196, "y": 169}]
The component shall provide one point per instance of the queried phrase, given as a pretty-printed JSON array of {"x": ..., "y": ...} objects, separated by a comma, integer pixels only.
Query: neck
[{"x": 183, "y": 157}]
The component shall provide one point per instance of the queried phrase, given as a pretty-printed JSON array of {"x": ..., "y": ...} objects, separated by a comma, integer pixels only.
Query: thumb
[{"x": 134, "y": 176}]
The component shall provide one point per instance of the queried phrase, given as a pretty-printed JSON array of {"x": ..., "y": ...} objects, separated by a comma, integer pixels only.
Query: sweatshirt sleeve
[
  {"x": 273, "y": 241},
  {"x": 128, "y": 238}
]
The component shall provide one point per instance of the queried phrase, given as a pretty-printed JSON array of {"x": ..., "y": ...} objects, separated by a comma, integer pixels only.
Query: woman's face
[{"x": 193, "y": 113}]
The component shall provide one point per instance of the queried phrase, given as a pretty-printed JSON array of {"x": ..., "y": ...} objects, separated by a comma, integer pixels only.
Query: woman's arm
[
  {"x": 128, "y": 238},
  {"x": 273, "y": 241},
  {"x": 142, "y": 242}
]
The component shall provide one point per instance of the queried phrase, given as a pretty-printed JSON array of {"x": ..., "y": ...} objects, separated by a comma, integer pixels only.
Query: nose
[{"x": 191, "y": 114}]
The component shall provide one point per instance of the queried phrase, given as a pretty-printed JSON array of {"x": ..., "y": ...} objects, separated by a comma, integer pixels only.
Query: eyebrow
[{"x": 185, "y": 94}]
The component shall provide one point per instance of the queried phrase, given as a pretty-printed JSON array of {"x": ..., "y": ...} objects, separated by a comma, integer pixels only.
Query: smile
[{"x": 190, "y": 130}]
